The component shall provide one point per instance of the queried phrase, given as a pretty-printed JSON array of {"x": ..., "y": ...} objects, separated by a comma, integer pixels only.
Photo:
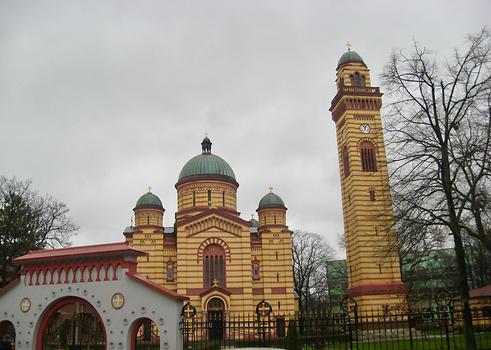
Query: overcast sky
[{"x": 100, "y": 99}]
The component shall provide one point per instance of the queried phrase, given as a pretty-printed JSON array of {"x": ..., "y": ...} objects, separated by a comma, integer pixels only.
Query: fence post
[
  {"x": 409, "y": 322},
  {"x": 348, "y": 305},
  {"x": 444, "y": 300}
]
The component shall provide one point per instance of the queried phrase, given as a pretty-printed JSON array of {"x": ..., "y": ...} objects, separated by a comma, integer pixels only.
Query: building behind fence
[{"x": 431, "y": 328}]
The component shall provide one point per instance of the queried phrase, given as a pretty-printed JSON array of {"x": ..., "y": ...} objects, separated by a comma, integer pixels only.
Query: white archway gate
[{"x": 102, "y": 277}]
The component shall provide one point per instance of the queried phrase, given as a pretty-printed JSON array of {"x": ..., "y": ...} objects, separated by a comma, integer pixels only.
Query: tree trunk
[{"x": 470, "y": 341}]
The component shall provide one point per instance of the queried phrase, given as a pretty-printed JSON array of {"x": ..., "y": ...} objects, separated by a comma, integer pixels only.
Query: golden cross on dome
[
  {"x": 149, "y": 189},
  {"x": 348, "y": 45},
  {"x": 270, "y": 189}
]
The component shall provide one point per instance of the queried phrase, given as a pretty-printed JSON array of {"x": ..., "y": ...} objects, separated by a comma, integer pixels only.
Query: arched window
[
  {"x": 194, "y": 199},
  {"x": 170, "y": 271},
  {"x": 357, "y": 80},
  {"x": 367, "y": 154},
  {"x": 214, "y": 266},
  {"x": 371, "y": 192},
  {"x": 209, "y": 197},
  {"x": 345, "y": 161},
  {"x": 256, "y": 272}
]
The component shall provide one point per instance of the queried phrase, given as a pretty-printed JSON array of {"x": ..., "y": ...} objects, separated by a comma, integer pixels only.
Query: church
[
  {"x": 221, "y": 264},
  {"x": 225, "y": 264}
]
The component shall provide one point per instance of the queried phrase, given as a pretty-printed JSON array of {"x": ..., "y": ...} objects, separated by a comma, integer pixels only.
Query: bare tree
[
  {"x": 28, "y": 221},
  {"x": 310, "y": 256},
  {"x": 439, "y": 136}
]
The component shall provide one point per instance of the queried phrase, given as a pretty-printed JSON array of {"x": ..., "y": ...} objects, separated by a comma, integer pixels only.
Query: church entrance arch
[
  {"x": 7, "y": 335},
  {"x": 145, "y": 335},
  {"x": 216, "y": 320},
  {"x": 71, "y": 323}
]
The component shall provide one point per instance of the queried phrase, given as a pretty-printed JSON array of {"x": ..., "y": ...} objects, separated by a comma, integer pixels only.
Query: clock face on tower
[{"x": 364, "y": 128}]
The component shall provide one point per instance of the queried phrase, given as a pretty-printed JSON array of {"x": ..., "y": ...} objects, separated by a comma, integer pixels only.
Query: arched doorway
[
  {"x": 145, "y": 335},
  {"x": 216, "y": 321},
  {"x": 7, "y": 335},
  {"x": 71, "y": 323}
]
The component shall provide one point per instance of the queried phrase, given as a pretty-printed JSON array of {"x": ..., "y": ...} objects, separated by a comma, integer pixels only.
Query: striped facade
[
  {"x": 374, "y": 278},
  {"x": 211, "y": 254}
]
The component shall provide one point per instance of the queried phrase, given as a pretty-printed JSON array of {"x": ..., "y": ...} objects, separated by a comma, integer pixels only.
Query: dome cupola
[
  {"x": 271, "y": 200},
  {"x": 206, "y": 164},
  {"x": 350, "y": 56},
  {"x": 149, "y": 200},
  {"x": 149, "y": 210},
  {"x": 206, "y": 182},
  {"x": 271, "y": 210}
]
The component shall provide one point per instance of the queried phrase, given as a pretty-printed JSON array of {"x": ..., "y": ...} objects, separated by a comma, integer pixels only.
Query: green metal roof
[
  {"x": 206, "y": 164},
  {"x": 128, "y": 231},
  {"x": 350, "y": 56},
  {"x": 254, "y": 222},
  {"x": 149, "y": 200},
  {"x": 271, "y": 200}
]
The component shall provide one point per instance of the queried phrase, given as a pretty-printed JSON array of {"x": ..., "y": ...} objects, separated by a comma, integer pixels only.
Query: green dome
[
  {"x": 128, "y": 231},
  {"x": 271, "y": 200},
  {"x": 149, "y": 200},
  {"x": 350, "y": 56},
  {"x": 254, "y": 222},
  {"x": 206, "y": 164}
]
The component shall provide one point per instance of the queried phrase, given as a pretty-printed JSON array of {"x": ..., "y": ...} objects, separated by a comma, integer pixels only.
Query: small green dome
[
  {"x": 128, "y": 231},
  {"x": 271, "y": 200},
  {"x": 206, "y": 164},
  {"x": 254, "y": 222},
  {"x": 350, "y": 56},
  {"x": 149, "y": 200}
]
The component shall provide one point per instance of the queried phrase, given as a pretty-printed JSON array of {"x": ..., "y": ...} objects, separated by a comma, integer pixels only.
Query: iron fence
[{"x": 439, "y": 328}]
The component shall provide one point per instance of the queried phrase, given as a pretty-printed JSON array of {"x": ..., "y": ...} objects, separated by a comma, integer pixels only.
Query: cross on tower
[
  {"x": 348, "y": 45},
  {"x": 270, "y": 189},
  {"x": 149, "y": 189}
]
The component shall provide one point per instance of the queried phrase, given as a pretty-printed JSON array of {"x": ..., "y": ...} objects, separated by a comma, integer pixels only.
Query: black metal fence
[{"x": 430, "y": 329}]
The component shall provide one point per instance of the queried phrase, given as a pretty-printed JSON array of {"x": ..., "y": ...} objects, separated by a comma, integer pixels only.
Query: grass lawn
[{"x": 431, "y": 342}]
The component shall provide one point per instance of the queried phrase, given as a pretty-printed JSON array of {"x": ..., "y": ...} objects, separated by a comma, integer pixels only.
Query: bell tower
[{"x": 374, "y": 277}]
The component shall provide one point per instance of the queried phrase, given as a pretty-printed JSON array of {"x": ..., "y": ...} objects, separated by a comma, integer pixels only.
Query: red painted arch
[{"x": 46, "y": 316}]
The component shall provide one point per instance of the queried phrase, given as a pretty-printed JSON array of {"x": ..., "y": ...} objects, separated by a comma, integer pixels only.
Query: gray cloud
[{"x": 99, "y": 99}]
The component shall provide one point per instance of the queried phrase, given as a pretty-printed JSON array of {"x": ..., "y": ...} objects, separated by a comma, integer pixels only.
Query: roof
[
  {"x": 149, "y": 200},
  {"x": 271, "y": 200},
  {"x": 120, "y": 248},
  {"x": 156, "y": 287},
  {"x": 350, "y": 56},
  {"x": 206, "y": 164},
  {"x": 481, "y": 292}
]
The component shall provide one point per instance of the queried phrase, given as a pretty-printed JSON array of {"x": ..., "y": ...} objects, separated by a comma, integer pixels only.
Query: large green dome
[
  {"x": 350, "y": 56},
  {"x": 271, "y": 200},
  {"x": 206, "y": 164},
  {"x": 149, "y": 200}
]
